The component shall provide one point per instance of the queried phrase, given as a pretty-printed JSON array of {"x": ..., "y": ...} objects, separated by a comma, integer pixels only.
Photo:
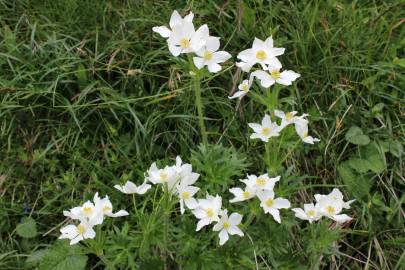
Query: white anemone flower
[
  {"x": 166, "y": 175},
  {"x": 310, "y": 212},
  {"x": 77, "y": 233},
  {"x": 186, "y": 194},
  {"x": 272, "y": 205},
  {"x": 272, "y": 75},
  {"x": 244, "y": 88},
  {"x": 332, "y": 209},
  {"x": 175, "y": 20},
  {"x": 207, "y": 210},
  {"x": 228, "y": 225},
  {"x": 261, "y": 182},
  {"x": 184, "y": 38},
  {"x": 242, "y": 195},
  {"x": 131, "y": 188},
  {"x": 301, "y": 128},
  {"x": 262, "y": 52},
  {"x": 337, "y": 196},
  {"x": 286, "y": 118},
  {"x": 210, "y": 56},
  {"x": 266, "y": 130},
  {"x": 87, "y": 213},
  {"x": 105, "y": 207},
  {"x": 185, "y": 174}
]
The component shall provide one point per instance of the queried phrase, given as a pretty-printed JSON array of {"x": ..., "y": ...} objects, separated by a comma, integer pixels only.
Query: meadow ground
[{"x": 90, "y": 96}]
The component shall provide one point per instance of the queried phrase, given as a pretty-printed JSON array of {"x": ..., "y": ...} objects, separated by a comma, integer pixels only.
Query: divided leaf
[
  {"x": 27, "y": 228},
  {"x": 355, "y": 136}
]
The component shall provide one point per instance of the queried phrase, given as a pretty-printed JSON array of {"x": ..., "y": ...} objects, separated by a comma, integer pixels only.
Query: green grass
[{"x": 90, "y": 96}]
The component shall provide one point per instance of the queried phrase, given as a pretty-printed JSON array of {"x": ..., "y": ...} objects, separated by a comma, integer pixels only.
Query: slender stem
[{"x": 198, "y": 101}]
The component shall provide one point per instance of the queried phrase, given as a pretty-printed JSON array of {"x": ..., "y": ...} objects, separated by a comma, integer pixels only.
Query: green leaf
[
  {"x": 35, "y": 258},
  {"x": 359, "y": 165},
  {"x": 355, "y": 136},
  {"x": 62, "y": 256},
  {"x": 27, "y": 228},
  {"x": 396, "y": 148},
  {"x": 377, "y": 164},
  {"x": 357, "y": 185}
]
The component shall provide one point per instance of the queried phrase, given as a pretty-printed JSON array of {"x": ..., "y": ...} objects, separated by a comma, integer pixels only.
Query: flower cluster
[
  {"x": 88, "y": 215},
  {"x": 265, "y": 54},
  {"x": 261, "y": 186},
  {"x": 268, "y": 129},
  {"x": 183, "y": 38},
  {"x": 330, "y": 206}
]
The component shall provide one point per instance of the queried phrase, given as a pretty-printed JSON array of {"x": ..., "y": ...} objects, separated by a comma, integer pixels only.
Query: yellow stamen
[
  {"x": 289, "y": 116},
  {"x": 163, "y": 176},
  {"x": 210, "y": 213},
  {"x": 265, "y": 131},
  {"x": 261, "y": 55},
  {"x": 226, "y": 225},
  {"x": 260, "y": 181},
  {"x": 106, "y": 209},
  {"x": 311, "y": 213},
  {"x": 207, "y": 55},
  {"x": 80, "y": 229},
  {"x": 185, "y": 195},
  {"x": 269, "y": 202},
  {"x": 244, "y": 87},
  {"x": 275, "y": 74},
  {"x": 246, "y": 194},
  {"x": 184, "y": 43},
  {"x": 330, "y": 210},
  {"x": 87, "y": 211}
]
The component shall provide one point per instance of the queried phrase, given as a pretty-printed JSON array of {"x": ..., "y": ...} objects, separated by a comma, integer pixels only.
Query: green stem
[{"x": 198, "y": 101}]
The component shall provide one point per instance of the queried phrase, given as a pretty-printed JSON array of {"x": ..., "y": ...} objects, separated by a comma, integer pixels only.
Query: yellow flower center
[
  {"x": 227, "y": 225},
  {"x": 184, "y": 43},
  {"x": 106, "y": 209},
  {"x": 261, "y": 55},
  {"x": 87, "y": 211},
  {"x": 305, "y": 134},
  {"x": 330, "y": 210},
  {"x": 81, "y": 229},
  {"x": 275, "y": 74},
  {"x": 210, "y": 213},
  {"x": 244, "y": 87},
  {"x": 289, "y": 116},
  {"x": 185, "y": 195},
  {"x": 311, "y": 213},
  {"x": 269, "y": 202},
  {"x": 246, "y": 194},
  {"x": 207, "y": 55},
  {"x": 260, "y": 181},
  {"x": 164, "y": 176},
  {"x": 265, "y": 131}
]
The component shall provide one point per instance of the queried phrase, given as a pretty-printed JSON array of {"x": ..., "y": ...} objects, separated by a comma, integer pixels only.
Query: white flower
[
  {"x": 184, "y": 39},
  {"x": 185, "y": 174},
  {"x": 186, "y": 194},
  {"x": 162, "y": 176},
  {"x": 130, "y": 188},
  {"x": 310, "y": 212},
  {"x": 242, "y": 195},
  {"x": 175, "y": 20},
  {"x": 105, "y": 207},
  {"x": 210, "y": 56},
  {"x": 271, "y": 205},
  {"x": 301, "y": 128},
  {"x": 244, "y": 88},
  {"x": 87, "y": 213},
  {"x": 266, "y": 130},
  {"x": 77, "y": 233},
  {"x": 207, "y": 210},
  {"x": 261, "y": 182},
  {"x": 228, "y": 225},
  {"x": 332, "y": 204},
  {"x": 286, "y": 118},
  {"x": 273, "y": 75},
  {"x": 262, "y": 52}
]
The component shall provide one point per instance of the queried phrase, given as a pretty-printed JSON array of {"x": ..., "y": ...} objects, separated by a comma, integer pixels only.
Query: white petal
[
  {"x": 162, "y": 30},
  {"x": 238, "y": 94},
  {"x": 235, "y": 230},
  {"x": 281, "y": 203},
  {"x": 174, "y": 50},
  {"x": 341, "y": 218},
  {"x": 275, "y": 213},
  {"x": 299, "y": 213},
  {"x": 221, "y": 56},
  {"x": 120, "y": 213},
  {"x": 223, "y": 237},
  {"x": 199, "y": 62},
  {"x": 203, "y": 222},
  {"x": 175, "y": 19},
  {"x": 214, "y": 68},
  {"x": 212, "y": 44},
  {"x": 235, "y": 219}
]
